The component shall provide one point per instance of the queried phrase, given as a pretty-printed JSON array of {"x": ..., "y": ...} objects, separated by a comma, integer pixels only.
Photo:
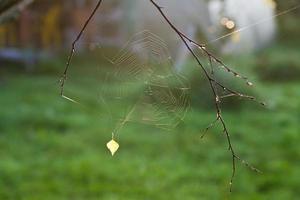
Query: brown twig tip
[
  {"x": 249, "y": 83},
  {"x": 209, "y": 127},
  {"x": 263, "y": 103}
]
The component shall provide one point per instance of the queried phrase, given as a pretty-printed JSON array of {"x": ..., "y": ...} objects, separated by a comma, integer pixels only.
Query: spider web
[{"x": 143, "y": 86}]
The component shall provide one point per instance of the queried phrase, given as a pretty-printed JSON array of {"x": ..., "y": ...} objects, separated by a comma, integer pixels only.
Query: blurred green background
[{"x": 53, "y": 149}]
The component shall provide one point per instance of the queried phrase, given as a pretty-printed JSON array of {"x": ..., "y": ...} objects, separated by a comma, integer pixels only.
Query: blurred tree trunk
[{"x": 10, "y": 8}]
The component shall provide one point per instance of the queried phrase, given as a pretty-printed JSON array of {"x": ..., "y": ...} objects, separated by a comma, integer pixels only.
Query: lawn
[{"x": 51, "y": 148}]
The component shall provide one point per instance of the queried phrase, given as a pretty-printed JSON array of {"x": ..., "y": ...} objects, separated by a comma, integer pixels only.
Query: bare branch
[
  {"x": 16, "y": 6},
  {"x": 64, "y": 76},
  {"x": 213, "y": 82}
]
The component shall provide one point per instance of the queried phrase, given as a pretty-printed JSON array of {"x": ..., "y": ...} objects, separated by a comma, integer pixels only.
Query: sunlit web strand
[{"x": 255, "y": 24}]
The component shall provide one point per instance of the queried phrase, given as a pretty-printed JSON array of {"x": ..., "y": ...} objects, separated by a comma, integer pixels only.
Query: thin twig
[
  {"x": 64, "y": 76},
  {"x": 212, "y": 81},
  {"x": 209, "y": 127},
  {"x": 17, "y": 6}
]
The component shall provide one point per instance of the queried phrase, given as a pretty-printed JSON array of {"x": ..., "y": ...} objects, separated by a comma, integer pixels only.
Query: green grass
[{"x": 53, "y": 149}]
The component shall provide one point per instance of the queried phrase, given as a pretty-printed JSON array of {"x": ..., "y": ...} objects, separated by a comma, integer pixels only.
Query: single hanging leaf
[{"x": 113, "y": 146}]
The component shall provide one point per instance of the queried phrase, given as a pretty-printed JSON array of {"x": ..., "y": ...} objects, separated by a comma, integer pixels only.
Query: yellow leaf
[{"x": 113, "y": 146}]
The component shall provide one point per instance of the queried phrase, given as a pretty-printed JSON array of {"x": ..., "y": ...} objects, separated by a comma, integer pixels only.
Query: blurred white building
[
  {"x": 251, "y": 23},
  {"x": 233, "y": 26},
  {"x": 56, "y": 23}
]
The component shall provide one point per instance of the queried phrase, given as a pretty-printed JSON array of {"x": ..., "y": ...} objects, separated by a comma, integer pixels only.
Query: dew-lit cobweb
[{"x": 142, "y": 86}]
